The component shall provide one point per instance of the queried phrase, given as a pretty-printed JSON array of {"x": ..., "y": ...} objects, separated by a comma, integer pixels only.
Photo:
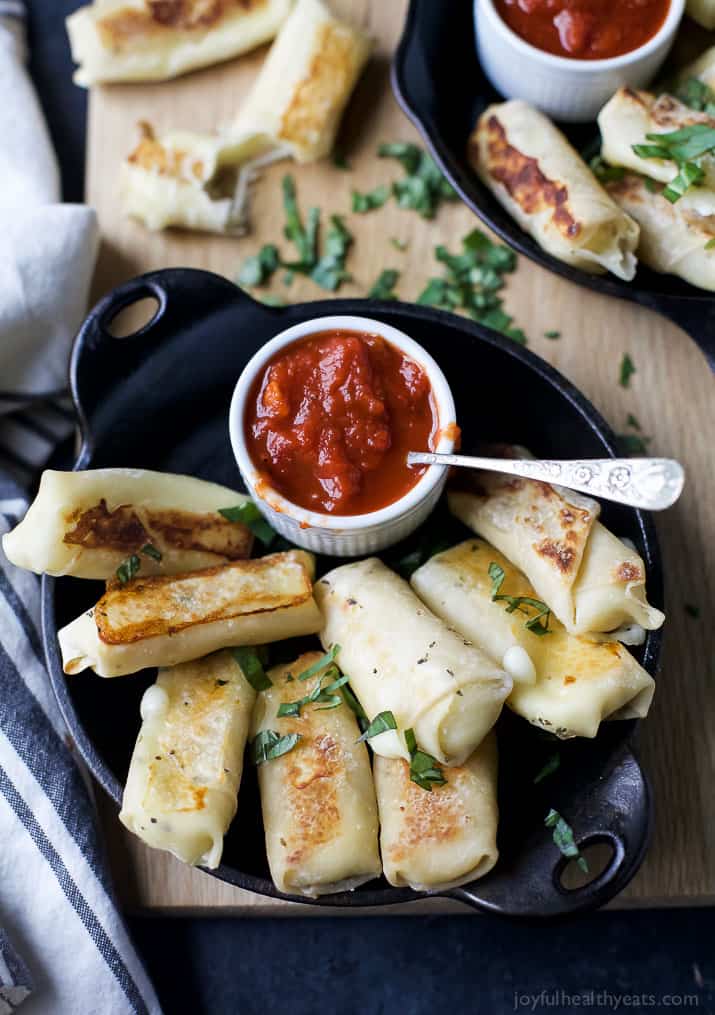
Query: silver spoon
[{"x": 650, "y": 483}]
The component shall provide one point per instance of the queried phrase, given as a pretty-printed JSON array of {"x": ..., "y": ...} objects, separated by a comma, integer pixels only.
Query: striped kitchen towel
[
  {"x": 63, "y": 941},
  {"x": 47, "y": 254}
]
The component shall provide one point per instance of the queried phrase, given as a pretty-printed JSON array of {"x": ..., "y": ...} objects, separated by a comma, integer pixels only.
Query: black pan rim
[{"x": 364, "y": 896}]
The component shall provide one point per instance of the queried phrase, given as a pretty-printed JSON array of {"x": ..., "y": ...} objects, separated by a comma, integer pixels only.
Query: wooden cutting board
[{"x": 671, "y": 394}]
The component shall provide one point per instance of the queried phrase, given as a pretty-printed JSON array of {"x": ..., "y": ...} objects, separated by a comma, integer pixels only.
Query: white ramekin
[
  {"x": 565, "y": 88},
  {"x": 345, "y": 535}
]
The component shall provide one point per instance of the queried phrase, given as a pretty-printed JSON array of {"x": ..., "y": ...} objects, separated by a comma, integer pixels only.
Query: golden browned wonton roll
[
  {"x": 564, "y": 683},
  {"x": 676, "y": 239},
  {"x": 549, "y": 190},
  {"x": 162, "y": 621},
  {"x": 318, "y": 799},
  {"x": 87, "y": 523},
  {"x": 403, "y": 659},
  {"x": 702, "y": 11},
  {"x": 630, "y": 115},
  {"x": 151, "y": 40},
  {"x": 588, "y": 577},
  {"x": 305, "y": 82},
  {"x": 438, "y": 839},
  {"x": 183, "y": 781}
]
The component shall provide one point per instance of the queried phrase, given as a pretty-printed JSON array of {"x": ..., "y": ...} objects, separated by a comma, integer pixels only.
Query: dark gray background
[{"x": 387, "y": 964}]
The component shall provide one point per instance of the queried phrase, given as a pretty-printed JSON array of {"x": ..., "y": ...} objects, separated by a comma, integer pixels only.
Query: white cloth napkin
[
  {"x": 64, "y": 949},
  {"x": 47, "y": 255}
]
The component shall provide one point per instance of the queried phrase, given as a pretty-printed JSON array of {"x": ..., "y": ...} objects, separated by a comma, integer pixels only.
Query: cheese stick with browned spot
[
  {"x": 318, "y": 798},
  {"x": 447, "y": 836}
]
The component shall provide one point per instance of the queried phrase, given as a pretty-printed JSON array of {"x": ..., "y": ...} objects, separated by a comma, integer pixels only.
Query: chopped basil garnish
[
  {"x": 399, "y": 244},
  {"x": 563, "y": 838},
  {"x": 128, "y": 568},
  {"x": 423, "y": 188},
  {"x": 269, "y": 745},
  {"x": 252, "y": 667},
  {"x": 633, "y": 443},
  {"x": 370, "y": 200},
  {"x": 303, "y": 238},
  {"x": 424, "y": 769},
  {"x": 695, "y": 93},
  {"x": 605, "y": 173},
  {"x": 539, "y": 623},
  {"x": 552, "y": 334},
  {"x": 151, "y": 551},
  {"x": 384, "y": 287},
  {"x": 548, "y": 769},
  {"x": 710, "y": 244},
  {"x": 249, "y": 515},
  {"x": 339, "y": 160},
  {"x": 319, "y": 693},
  {"x": 258, "y": 269},
  {"x": 329, "y": 272},
  {"x": 355, "y": 706},
  {"x": 382, "y": 722},
  {"x": 628, "y": 368},
  {"x": 683, "y": 147},
  {"x": 320, "y": 664},
  {"x": 472, "y": 281}
]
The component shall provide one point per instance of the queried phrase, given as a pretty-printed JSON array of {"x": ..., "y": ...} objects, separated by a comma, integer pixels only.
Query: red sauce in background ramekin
[
  {"x": 584, "y": 29},
  {"x": 329, "y": 422}
]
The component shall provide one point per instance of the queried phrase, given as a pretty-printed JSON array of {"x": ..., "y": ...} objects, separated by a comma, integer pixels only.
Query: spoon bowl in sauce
[
  {"x": 568, "y": 57},
  {"x": 321, "y": 421}
]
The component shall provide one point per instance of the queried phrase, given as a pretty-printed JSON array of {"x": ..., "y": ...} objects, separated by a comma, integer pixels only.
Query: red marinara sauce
[
  {"x": 584, "y": 29},
  {"x": 330, "y": 420}
]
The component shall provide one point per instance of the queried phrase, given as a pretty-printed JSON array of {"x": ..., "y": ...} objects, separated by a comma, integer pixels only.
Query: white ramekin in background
[
  {"x": 344, "y": 535},
  {"x": 564, "y": 88}
]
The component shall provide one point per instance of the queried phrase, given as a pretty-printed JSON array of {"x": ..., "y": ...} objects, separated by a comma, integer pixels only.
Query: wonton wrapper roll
[
  {"x": 187, "y": 179},
  {"x": 674, "y": 237},
  {"x": 702, "y": 11},
  {"x": 162, "y": 621},
  {"x": 588, "y": 577},
  {"x": 183, "y": 781},
  {"x": 306, "y": 82},
  {"x": 431, "y": 841},
  {"x": 146, "y": 40},
  {"x": 318, "y": 800},
  {"x": 547, "y": 187},
  {"x": 87, "y": 523},
  {"x": 403, "y": 659},
  {"x": 704, "y": 67},
  {"x": 563, "y": 683},
  {"x": 630, "y": 115}
]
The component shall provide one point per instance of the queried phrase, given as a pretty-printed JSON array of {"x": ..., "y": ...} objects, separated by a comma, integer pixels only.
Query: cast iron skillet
[
  {"x": 440, "y": 85},
  {"x": 159, "y": 399}
]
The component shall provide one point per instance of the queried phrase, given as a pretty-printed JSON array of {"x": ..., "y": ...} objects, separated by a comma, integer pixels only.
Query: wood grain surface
[{"x": 671, "y": 394}]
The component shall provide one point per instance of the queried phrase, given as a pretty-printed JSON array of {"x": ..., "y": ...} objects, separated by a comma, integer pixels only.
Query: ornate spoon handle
[{"x": 650, "y": 483}]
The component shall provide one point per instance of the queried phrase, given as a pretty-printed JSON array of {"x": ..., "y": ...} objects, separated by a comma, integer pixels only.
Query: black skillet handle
[
  {"x": 185, "y": 298},
  {"x": 616, "y": 810}
]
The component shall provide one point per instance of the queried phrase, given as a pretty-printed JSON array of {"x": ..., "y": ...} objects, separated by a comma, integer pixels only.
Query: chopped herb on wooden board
[
  {"x": 471, "y": 282},
  {"x": 628, "y": 368},
  {"x": 633, "y": 443},
  {"x": 384, "y": 287},
  {"x": 423, "y": 188},
  {"x": 371, "y": 199}
]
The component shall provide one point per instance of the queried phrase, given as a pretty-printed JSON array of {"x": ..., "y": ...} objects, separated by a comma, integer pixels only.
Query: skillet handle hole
[
  {"x": 133, "y": 319},
  {"x": 600, "y": 853}
]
